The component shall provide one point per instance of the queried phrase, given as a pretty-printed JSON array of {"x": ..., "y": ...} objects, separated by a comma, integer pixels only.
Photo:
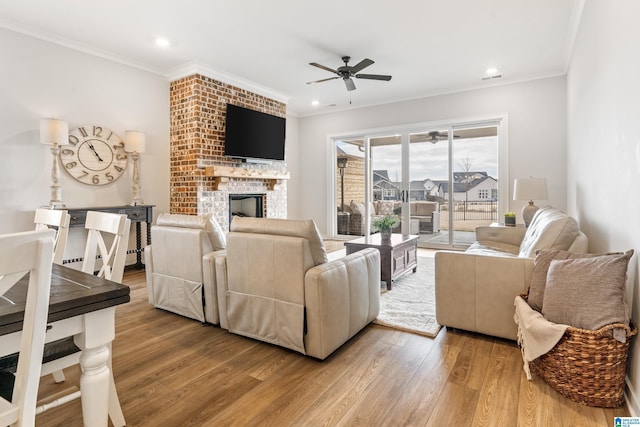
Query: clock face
[{"x": 95, "y": 155}]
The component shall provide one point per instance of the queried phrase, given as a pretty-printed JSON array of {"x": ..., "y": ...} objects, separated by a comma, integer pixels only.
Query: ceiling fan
[
  {"x": 346, "y": 72},
  {"x": 435, "y": 136}
]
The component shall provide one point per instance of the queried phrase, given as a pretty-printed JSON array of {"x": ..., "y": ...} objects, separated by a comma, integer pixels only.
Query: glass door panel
[
  {"x": 441, "y": 182},
  {"x": 475, "y": 181},
  {"x": 350, "y": 185}
]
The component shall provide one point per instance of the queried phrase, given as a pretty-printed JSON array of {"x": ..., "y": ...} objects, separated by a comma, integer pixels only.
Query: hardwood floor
[{"x": 173, "y": 371}]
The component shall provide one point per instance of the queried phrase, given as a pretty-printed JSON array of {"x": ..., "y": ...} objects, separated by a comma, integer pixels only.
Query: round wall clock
[{"x": 95, "y": 155}]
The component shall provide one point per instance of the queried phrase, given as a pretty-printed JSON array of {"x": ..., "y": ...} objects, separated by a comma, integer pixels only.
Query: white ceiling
[{"x": 429, "y": 46}]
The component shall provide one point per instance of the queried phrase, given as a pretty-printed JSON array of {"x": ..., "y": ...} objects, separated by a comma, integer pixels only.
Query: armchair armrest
[
  {"x": 510, "y": 235},
  {"x": 476, "y": 292},
  {"x": 341, "y": 297}
]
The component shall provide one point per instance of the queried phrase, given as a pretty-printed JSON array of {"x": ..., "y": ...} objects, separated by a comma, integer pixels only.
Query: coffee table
[{"x": 398, "y": 255}]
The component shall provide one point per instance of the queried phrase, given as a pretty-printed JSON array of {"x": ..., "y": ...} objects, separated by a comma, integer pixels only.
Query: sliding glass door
[{"x": 439, "y": 182}]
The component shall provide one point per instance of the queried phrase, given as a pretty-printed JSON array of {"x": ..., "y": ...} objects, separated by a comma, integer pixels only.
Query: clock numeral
[
  {"x": 97, "y": 131},
  {"x": 109, "y": 137},
  {"x": 73, "y": 140},
  {"x": 118, "y": 146},
  {"x": 121, "y": 156},
  {"x": 71, "y": 165},
  {"x": 84, "y": 173},
  {"x": 83, "y": 131},
  {"x": 109, "y": 176},
  {"x": 95, "y": 179},
  {"x": 67, "y": 152},
  {"x": 118, "y": 168}
]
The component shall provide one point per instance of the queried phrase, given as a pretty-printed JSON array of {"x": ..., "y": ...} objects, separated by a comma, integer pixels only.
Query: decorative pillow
[
  {"x": 357, "y": 207},
  {"x": 385, "y": 208},
  {"x": 541, "y": 267},
  {"x": 587, "y": 293}
]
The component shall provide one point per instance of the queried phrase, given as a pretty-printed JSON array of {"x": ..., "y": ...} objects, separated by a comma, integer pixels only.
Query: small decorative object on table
[
  {"x": 385, "y": 224},
  {"x": 510, "y": 219}
]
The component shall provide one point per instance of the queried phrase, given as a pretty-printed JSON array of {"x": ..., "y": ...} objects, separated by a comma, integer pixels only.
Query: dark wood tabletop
[{"x": 73, "y": 292}]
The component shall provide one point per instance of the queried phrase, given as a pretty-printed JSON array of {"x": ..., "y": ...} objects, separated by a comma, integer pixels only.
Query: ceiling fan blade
[
  {"x": 361, "y": 65},
  {"x": 323, "y": 80},
  {"x": 324, "y": 68},
  {"x": 373, "y": 77},
  {"x": 349, "y": 84}
]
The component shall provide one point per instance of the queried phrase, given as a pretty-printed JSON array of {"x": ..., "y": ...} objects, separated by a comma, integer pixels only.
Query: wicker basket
[{"x": 588, "y": 367}]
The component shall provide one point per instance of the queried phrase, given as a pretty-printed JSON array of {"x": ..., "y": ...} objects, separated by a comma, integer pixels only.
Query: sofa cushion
[
  {"x": 541, "y": 268},
  {"x": 550, "y": 228},
  {"x": 492, "y": 248},
  {"x": 285, "y": 227},
  {"x": 587, "y": 293},
  {"x": 202, "y": 222}
]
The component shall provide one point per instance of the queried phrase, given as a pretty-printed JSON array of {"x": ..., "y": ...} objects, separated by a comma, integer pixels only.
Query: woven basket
[{"x": 588, "y": 367}]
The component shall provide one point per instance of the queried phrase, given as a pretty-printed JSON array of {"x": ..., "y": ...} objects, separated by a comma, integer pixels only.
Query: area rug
[{"x": 410, "y": 304}]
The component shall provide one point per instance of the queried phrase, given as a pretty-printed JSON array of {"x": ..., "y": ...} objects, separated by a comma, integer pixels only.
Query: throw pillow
[
  {"x": 357, "y": 207},
  {"x": 385, "y": 208},
  {"x": 587, "y": 293},
  {"x": 540, "y": 269}
]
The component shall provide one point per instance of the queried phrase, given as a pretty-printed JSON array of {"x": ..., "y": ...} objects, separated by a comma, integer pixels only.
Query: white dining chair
[
  {"x": 58, "y": 220},
  {"x": 108, "y": 238},
  {"x": 27, "y": 252}
]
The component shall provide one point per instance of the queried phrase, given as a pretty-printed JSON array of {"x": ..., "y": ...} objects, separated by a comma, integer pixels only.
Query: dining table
[{"x": 81, "y": 306}]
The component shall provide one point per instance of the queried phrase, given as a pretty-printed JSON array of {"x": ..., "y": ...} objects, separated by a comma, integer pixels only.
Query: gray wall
[
  {"x": 603, "y": 169},
  {"x": 42, "y": 80},
  {"x": 537, "y": 135}
]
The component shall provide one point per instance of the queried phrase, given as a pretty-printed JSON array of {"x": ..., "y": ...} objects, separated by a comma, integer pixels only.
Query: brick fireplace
[{"x": 202, "y": 177}]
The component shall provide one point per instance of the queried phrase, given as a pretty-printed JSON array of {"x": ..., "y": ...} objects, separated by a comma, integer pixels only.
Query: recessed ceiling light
[
  {"x": 491, "y": 70},
  {"x": 315, "y": 102},
  {"x": 162, "y": 42}
]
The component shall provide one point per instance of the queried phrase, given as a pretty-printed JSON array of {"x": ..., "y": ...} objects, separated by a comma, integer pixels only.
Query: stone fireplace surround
[{"x": 197, "y": 120}]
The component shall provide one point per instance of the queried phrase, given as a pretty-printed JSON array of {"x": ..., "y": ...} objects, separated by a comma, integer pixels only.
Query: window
[
  {"x": 388, "y": 193},
  {"x": 483, "y": 194}
]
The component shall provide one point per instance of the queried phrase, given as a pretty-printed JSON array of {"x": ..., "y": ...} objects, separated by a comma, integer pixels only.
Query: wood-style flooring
[{"x": 174, "y": 371}]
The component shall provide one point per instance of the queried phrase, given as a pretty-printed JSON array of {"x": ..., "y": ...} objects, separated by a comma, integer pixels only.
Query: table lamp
[
  {"x": 55, "y": 133},
  {"x": 529, "y": 189},
  {"x": 134, "y": 143}
]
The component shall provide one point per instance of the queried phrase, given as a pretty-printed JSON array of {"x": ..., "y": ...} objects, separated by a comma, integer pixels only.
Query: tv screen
[{"x": 252, "y": 134}]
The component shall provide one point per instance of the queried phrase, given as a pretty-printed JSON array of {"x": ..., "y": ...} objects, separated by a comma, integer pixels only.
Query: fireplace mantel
[{"x": 225, "y": 174}]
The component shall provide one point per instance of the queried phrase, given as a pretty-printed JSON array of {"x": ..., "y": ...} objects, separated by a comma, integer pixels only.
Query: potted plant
[
  {"x": 385, "y": 224},
  {"x": 510, "y": 219}
]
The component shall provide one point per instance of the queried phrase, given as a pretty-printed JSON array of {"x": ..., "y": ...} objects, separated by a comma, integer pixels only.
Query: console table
[
  {"x": 137, "y": 214},
  {"x": 398, "y": 255}
]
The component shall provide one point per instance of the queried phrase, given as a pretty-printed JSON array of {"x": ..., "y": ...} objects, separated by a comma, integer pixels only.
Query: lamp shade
[
  {"x": 530, "y": 189},
  {"x": 54, "y": 131},
  {"x": 134, "y": 142}
]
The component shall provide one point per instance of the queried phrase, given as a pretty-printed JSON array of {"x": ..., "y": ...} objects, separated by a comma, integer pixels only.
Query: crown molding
[{"x": 191, "y": 68}]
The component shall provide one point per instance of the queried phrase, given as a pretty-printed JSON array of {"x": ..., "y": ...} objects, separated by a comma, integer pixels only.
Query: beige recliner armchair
[
  {"x": 275, "y": 284},
  {"x": 179, "y": 265},
  {"x": 476, "y": 289}
]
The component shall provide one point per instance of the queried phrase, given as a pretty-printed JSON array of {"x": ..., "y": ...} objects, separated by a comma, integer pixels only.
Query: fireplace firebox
[{"x": 251, "y": 205}]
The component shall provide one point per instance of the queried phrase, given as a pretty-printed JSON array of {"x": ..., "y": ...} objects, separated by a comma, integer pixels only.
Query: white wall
[
  {"x": 41, "y": 80},
  {"x": 603, "y": 174},
  {"x": 537, "y": 135}
]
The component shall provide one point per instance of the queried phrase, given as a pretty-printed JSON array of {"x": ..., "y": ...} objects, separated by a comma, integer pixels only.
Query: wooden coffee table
[{"x": 397, "y": 255}]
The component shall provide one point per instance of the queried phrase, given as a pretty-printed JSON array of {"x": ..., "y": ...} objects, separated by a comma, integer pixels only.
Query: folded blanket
[{"x": 536, "y": 335}]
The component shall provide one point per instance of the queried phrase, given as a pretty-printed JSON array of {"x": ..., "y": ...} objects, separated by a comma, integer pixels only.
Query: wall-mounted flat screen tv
[{"x": 252, "y": 134}]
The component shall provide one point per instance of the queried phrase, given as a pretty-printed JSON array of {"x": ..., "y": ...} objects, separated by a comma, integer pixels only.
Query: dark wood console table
[
  {"x": 137, "y": 214},
  {"x": 398, "y": 255}
]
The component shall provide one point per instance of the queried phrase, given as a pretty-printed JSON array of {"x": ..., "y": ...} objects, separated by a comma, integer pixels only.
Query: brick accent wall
[{"x": 197, "y": 117}]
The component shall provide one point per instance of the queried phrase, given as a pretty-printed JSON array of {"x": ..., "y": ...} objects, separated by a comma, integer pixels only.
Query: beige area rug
[{"x": 410, "y": 305}]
